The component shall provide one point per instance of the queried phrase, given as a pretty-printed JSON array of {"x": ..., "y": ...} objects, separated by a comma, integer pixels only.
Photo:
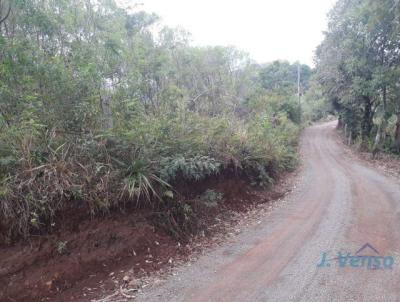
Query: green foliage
[
  {"x": 281, "y": 76},
  {"x": 358, "y": 67},
  {"x": 139, "y": 181},
  {"x": 315, "y": 105},
  {"x": 195, "y": 168},
  {"x": 62, "y": 247},
  {"x": 211, "y": 198},
  {"x": 97, "y": 110}
]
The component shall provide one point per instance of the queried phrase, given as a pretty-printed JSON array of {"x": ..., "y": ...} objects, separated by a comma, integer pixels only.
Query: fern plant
[{"x": 195, "y": 168}]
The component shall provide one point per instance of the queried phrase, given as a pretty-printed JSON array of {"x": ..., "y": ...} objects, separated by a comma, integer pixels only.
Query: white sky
[{"x": 267, "y": 29}]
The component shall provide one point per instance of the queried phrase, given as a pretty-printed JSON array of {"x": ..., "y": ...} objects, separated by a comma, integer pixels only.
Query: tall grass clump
[
  {"x": 44, "y": 174},
  {"x": 104, "y": 109}
]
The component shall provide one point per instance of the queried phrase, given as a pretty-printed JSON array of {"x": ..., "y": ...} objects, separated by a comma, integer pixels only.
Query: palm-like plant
[{"x": 141, "y": 182}]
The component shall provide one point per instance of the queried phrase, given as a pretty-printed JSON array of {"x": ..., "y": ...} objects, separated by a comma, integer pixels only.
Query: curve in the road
[{"x": 340, "y": 205}]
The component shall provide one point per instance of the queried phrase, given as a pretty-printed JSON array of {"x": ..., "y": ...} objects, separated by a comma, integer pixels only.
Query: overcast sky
[{"x": 267, "y": 29}]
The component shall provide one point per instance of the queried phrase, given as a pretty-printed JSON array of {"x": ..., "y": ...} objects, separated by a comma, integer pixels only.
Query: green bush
[{"x": 94, "y": 120}]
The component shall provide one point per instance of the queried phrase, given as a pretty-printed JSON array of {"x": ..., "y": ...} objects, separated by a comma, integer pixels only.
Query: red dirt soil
[{"x": 86, "y": 258}]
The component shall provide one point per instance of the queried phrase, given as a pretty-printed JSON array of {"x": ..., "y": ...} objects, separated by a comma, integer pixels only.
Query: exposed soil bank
[{"x": 87, "y": 258}]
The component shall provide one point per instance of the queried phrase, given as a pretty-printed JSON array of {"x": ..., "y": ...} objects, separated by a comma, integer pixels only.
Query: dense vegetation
[
  {"x": 358, "y": 71},
  {"x": 101, "y": 107}
]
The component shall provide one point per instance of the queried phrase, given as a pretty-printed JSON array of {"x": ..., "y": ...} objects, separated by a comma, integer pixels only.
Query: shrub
[{"x": 191, "y": 169}]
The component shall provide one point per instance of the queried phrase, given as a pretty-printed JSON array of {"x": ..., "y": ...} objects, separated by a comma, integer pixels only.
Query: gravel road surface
[{"x": 339, "y": 205}]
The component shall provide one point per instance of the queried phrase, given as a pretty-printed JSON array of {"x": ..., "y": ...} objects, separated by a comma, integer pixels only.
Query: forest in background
[
  {"x": 358, "y": 71},
  {"x": 101, "y": 108}
]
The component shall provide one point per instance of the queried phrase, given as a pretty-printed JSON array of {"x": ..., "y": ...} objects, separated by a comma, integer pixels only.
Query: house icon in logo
[{"x": 365, "y": 248}]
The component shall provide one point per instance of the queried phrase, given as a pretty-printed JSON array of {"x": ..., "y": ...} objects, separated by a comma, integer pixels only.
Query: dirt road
[{"x": 340, "y": 205}]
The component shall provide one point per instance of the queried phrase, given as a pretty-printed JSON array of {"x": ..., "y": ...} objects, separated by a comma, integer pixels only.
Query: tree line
[
  {"x": 102, "y": 107},
  {"x": 358, "y": 71}
]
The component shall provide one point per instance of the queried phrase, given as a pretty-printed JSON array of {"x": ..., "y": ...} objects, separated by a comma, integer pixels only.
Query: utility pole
[
  {"x": 298, "y": 88},
  {"x": 298, "y": 82}
]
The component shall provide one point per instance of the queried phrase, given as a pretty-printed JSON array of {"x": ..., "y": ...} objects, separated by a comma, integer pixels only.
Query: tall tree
[{"x": 357, "y": 64}]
